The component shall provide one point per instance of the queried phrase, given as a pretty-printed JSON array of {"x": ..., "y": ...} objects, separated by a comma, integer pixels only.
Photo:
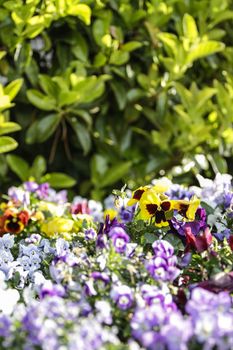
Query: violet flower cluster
[{"x": 87, "y": 275}]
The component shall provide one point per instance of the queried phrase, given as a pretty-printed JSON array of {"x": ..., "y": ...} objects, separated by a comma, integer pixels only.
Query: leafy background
[{"x": 107, "y": 92}]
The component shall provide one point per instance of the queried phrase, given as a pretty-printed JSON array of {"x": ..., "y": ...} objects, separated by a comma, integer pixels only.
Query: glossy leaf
[
  {"x": 204, "y": 49},
  {"x": 19, "y": 166},
  {"x": 9, "y": 127},
  {"x": 41, "y": 101},
  {"x": 7, "y": 144},
  {"x": 114, "y": 174},
  {"x": 13, "y": 88},
  {"x": 59, "y": 180},
  {"x": 47, "y": 126}
]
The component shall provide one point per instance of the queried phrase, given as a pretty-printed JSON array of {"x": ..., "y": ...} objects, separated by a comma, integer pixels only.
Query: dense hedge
[{"x": 117, "y": 89}]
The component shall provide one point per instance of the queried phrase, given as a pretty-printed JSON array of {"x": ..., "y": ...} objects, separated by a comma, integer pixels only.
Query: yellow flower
[
  {"x": 148, "y": 203},
  {"x": 155, "y": 205},
  {"x": 56, "y": 225},
  {"x": 55, "y": 209},
  {"x": 37, "y": 216},
  {"x": 187, "y": 208},
  {"x": 137, "y": 194},
  {"x": 162, "y": 185},
  {"x": 112, "y": 213}
]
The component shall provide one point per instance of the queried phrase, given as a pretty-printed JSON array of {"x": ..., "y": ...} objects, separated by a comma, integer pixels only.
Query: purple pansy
[
  {"x": 123, "y": 296},
  {"x": 119, "y": 239}
]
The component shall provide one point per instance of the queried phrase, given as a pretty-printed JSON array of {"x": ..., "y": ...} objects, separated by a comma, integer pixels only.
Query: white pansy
[{"x": 8, "y": 300}]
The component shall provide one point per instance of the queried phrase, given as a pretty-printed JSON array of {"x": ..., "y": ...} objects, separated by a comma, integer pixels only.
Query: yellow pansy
[
  {"x": 56, "y": 225},
  {"x": 112, "y": 213},
  {"x": 149, "y": 204},
  {"x": 155, "y": 205},
  {"x": 187, "y": 208},
  {"x": 137, "y": 194}
]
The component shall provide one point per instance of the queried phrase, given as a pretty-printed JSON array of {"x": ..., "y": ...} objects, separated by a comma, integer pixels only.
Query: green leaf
[
  {"x": 99, "y": 29},
  {"x": 98, "y": 167},
  {"x": 13, "y": 88},
  {"x": 19, "y": 166},
  {"x": 120, "y": 94},
  {"x": 189, "y": 27},
  {"x": 5, "y": 102},
  {"x": 114, "y": 174},
  {"x": 204, "y": 49},
  {"x": 59, "y": 180},
  {"x": 9, "y": 127},
  {"x": 38, "y": 167},
  {"x": 99, "y": 60},
  {"x": 150, "y": 237},
  {"x": 170, "y": 42},
  {"x": 47, "y": 126},
  {"x": 32, "y": 133},
  {"x": 42, "y": 129},
  {"x": 81, "y": 10},
  {"x": 41, "y": 101},
  {"x": 68, "y": 98},
  {"x": 2, "y": 54},
  {"x": 218, "y": 163},
  {"x": 131, "y": 46},
  {"x": 82, "y": 134},
  {"x": 48, "y": 85},
  {"x": 84, "y": 115},
  {"x": 220, "y": 17},
  {"x": 80, "y": 50},
  {"x": 119, "y": 57},
  {"x": 7, "y": 144}
]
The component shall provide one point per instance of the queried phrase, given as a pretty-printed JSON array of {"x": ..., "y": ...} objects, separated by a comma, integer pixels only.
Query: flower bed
[{"x": 150, "y": 269}]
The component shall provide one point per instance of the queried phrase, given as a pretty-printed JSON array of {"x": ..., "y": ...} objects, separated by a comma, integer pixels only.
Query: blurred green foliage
[{"x": 118, "y": 90}]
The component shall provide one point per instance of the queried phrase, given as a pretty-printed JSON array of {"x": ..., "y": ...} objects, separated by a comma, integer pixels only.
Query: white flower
[
  {"x": 6, "y": 242},
  {"x": 8, "y": 300}
]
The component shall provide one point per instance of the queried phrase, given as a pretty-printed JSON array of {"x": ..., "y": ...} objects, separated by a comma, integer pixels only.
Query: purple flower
[
  {"x": 101, "y": 241},
  {"x": 163, "y": 248},
  {"x": 176, "y": 331},
  {"x": 90, "y": 234},
  {"x": 43, "y": 190},
  {"x": 203, "y": 301},
  {"x": 123, "y": 296},
  {"x": 19, "y": 195},
  {"x": 50, "y": 289},
  {"x": 100, "y": 276},
  {"x": 162, "y": 266},
  {"x": 196, "y": 226},
  {"x": 30, "y": 186},
  {"x": 5, "y": 325},
  {"x": 212, "y": 318},
  {"x": 163, "y": 269},
  {"x": 154, "y": 295},
  {"x": 126, "y": 214},
  {"x": 178, "y": 192},
  {"x": 34, "y": 238},
  {"x": 62, "y": 247},
  {"x": 110, "y": 224},
  {"x": 224, "y": 234},
  {"x": 57, "y": 197},
  {"x": 119, "y": 238},
  {"x": 225, "y": 199},
  {"x": 145, "y": 321}
]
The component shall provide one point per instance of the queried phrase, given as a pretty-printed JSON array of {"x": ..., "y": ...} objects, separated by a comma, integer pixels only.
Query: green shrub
[{"x": 121, "y": 90}]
